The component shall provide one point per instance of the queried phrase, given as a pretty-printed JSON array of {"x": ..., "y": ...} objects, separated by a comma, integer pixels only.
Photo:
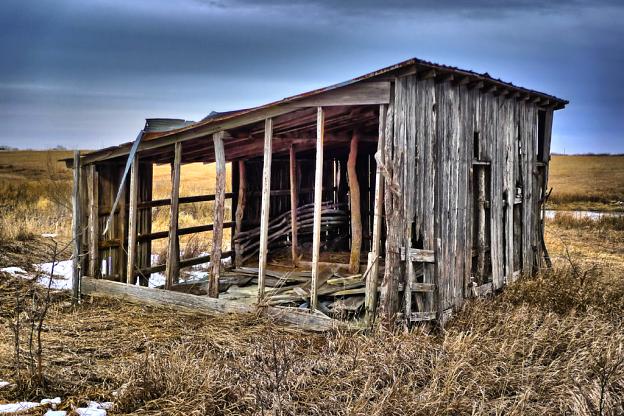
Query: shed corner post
[
  {"x": 132, "y": 221},
  {"x": 76, "y": 230},
  {"x": 318, "y": 200},
  {"x": 240, "y": 212},
  {"x": 266, "y": 201},
  {"x": 172, "y": 268},
  {"x": 93, "y": 220},
  {"x": 219, "y": 211},
  {"x": 372, "y": 279}
]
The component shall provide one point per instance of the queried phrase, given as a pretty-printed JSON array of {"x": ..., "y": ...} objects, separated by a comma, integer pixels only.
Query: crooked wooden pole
[
  {"x": 76, "y": 229},
  {"x": 219, "y": 212},
  {"x": 356, "y": 216},
  {"x": 172, "y": 269},
  {"x": 372, "y": 279},
  {"x": 266, "y": 200},
  {"x": 294, "y": 202},
  {"x": 132, "y": 221},
  {"x": 318, "y": 199},
  {"x": 93, "y": 221},
  {"x": 240, "y": 210}
]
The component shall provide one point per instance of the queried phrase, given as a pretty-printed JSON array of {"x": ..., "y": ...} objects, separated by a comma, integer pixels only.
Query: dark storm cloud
[{"x": 88, "y": 72}]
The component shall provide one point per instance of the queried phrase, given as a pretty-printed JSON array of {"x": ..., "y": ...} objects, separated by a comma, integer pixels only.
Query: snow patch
[
  {"x": 55, "y": 413},
  {"x": 4, "y": 383},
  {"x": 17, "y": 407}
]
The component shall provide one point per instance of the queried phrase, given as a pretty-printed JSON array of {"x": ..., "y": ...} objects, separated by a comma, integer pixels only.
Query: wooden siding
[{"x": 436, "y": 123}]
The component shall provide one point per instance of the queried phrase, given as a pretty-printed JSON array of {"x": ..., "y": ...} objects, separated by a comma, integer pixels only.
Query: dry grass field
[
  {"x": 587, "y": 182},
  {"x": 552, "y": 344}
]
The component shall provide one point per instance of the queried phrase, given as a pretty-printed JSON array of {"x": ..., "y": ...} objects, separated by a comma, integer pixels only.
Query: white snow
[
  {"x": 55, "y": 401},
  {"x": 62, "y": 279},
  {"x": 15, "y": 271},
  {"x": 4, "y": 383},
  {"x": 17, "y": 407},
  {"x": 94, "y": 409},
  {"x": 55, "y": 413}
]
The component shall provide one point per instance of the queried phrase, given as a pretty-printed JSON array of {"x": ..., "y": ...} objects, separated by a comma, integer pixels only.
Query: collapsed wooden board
[{"x": 202, "y": 304}]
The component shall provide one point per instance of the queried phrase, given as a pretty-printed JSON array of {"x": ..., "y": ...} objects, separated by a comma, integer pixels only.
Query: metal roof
[{"x": 397, "y": 69}]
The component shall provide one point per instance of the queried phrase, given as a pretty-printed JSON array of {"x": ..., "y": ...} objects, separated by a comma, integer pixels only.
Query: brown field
[
  {"x": 587, "y": 183},
  {"x": 549, "y": 345}
]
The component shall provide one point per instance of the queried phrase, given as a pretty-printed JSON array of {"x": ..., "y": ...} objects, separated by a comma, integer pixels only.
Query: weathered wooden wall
[{"x": 435, "y": 125}]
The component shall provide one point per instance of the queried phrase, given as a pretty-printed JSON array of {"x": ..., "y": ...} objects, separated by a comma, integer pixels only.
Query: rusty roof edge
[{"x": 560, "y": 103}]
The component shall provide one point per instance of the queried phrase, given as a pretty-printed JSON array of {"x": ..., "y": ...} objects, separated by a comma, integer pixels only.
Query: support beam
[
  {"x": 356, "y": 215},
  {"x": 132, "y": 221},
  {"x": 76, "y": 229},
  {"x": 370, "y": 300},
  {"x": 294, "y": 202},
  {"x": 173, "y": 249},
  {"x": 240, "y": 210},
  {"x": 266, "y": 200},
  {"x": 93, "y": 225},
  {"x": 318, "y": 199},
  {"x": 219, "y": 213}
]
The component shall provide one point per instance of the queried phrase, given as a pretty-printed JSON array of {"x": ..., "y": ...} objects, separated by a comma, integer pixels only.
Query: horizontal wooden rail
[
  {"x": 183, "y": 263},
  {"x": 181, "y": 200},
  {"x": 182, "y": 231},
  {"x": 206, "y": 305}
]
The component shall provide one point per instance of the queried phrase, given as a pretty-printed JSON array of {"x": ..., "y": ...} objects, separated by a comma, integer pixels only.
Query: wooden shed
[{"x": 398, "y": 194}]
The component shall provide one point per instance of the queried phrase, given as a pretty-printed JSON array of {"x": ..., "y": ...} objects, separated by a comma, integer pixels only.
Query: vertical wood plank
[
  {"x": 132, "y": 221},
  {"x": 356, "y": 215},
  {"x": 93, "y": 222},
  {"x": 370, "y": 298},
  {"x": 265, "y": 209},
  {"x": 76, "y": 229},
  {"x": 219, "y": 212},
  {"x": 172, "y": 269},
  {"x": 240, "y": 212},
  {"x": 318, "y": 196},
  {"x": 294, "y": 202}
]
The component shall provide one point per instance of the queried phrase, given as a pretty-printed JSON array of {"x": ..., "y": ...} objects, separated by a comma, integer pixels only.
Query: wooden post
[
  {"x": 481, "y": 236},
  {"x": 173, "y": 249},
  {"x": 93, "y": 222},
  {"x": 76, "y": 229},
  {"x": 356, "y": 216},
  {"x": 294, "y": 202},
  {"x": 132, "y": 220},
  {"x": 219, "y": 210},
  {"x": 240, "y": 210},
  {"x": 266, "y": 200},
  {"x": 370, "y": 300},
  {"x": 318, "y": 199}
]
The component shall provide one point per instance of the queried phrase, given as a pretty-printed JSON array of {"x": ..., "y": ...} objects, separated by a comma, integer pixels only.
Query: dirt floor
[{"x": 549, "y": 345}]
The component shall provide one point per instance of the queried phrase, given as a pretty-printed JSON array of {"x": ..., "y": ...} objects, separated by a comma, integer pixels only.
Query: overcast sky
[{"x": 86, "y": 73}]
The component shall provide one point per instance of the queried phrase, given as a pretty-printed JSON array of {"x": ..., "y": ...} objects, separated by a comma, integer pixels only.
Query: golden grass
[
  {"x": 587, "y": 182},
  {"x": 549, "y": 345}
]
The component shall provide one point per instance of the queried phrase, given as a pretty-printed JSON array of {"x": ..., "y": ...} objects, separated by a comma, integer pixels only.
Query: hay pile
[{"x": 512, "y": 355}]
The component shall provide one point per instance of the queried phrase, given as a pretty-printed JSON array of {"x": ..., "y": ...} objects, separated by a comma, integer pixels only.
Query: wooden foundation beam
[
  {"x": 372, "y": 280},
  {"x": 356, "y": 215},
  {"x": 318, "y": 199},
  {"x": 173, "y": 249},
  {"x": 264, "y": 213},
  {"x": 132, "y": 221},
  {"x": 205, "y": 305},
  {"x": 219, "y": 213},
  {"x": 240, "y": 210},
  {"x": 294, "y": 202}
]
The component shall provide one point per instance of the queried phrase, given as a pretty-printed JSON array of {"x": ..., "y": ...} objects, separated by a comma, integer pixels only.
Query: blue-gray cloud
[{"x": 87, "y": 73}]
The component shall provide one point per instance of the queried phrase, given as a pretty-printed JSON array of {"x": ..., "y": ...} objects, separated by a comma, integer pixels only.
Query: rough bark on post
[
  {"x": 318, "y": 199},
  {"x": 93, "y": 222},
  {"x": 356, "y": 216},
  {"x": 219, "y": 210},
  {"x": 76, "y": 229},
  {"x": 389, "y": 304},
  {"x": 172, "y": 269},
  {"x": 370, "y": 300},
  {"x": 266, "y": 200},
  {"x": 240, "y": 210},
  {"x": 132, "y": 221},
  {"x": 294, "y": 202}
]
